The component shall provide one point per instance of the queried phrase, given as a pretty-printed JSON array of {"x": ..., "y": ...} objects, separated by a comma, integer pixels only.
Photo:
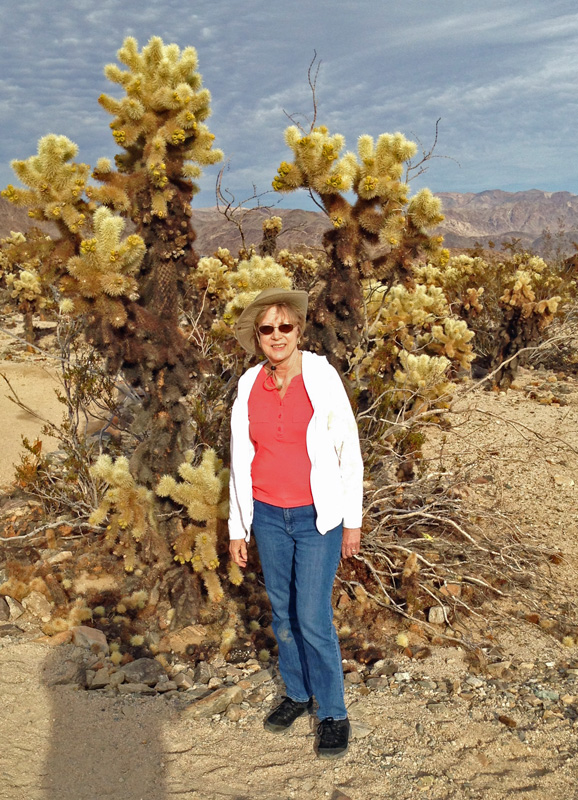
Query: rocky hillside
[{"x": 544, "y": 222}]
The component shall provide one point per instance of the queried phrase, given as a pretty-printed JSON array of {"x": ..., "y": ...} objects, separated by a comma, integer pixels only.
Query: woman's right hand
[{"x": 238, "y": 552}]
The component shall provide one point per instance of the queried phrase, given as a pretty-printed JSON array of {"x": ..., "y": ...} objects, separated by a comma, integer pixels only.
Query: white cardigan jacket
[{"x": 332, "y": 446}]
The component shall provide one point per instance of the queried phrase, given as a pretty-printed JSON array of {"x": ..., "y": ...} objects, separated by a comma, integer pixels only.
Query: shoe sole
[{"x": 329, "y": 755}]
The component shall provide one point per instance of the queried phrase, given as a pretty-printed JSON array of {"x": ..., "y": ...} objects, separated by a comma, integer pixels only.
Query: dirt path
[{"x": 64, "y": 744}]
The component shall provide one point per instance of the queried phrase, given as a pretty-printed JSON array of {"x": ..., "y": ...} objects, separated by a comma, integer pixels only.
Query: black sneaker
[
  {"x": 282, "y": 717},
  {"x": 333, "y": 737}
]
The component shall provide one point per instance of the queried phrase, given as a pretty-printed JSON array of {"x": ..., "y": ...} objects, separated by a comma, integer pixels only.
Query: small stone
[
  {"x": 547, "y": 694},
  {"x": 497, "y": 669},
  {"x": 10, "y": 630},
  {"x": 353, "y": 677},
  {"x": 430, "y": 686},
  {"x": 402, "y": 677},
  {"x": 166, "y": 686},
  {"x": 475, "y": 683},
  {"x": 135, "y": 688},
  {"x": 214, "y": 683},
  {"x": 437, "y": 708},
  {"x": 58, "y": 639},
  {"x": 37, "y": 605},
  {"x": 101, "y": 679},
  {"x": 234, "y": 713},
  {"x": 563, "y": 481},
  {"x": 91, "y": 638},
  {"x": 184, "y": 681},
  {"x": 451, "y": 590},
  {"x": 204, "y": 672},
  {"x": 144, "y": 670},
  {"x": 16, "y": 608},
  {"x": 67, "y": 672},
  {"x": 568, "y": 699},
  {"x": 214, "y": 703},
  {"x": 377, "y": 683},
  {"x": 116, "y": 678},
  {"x": 4, "y": 610},
  {"x": 359, "y": 730},
  {"x": 507, "y": 721},
  {"x": 179, "y": 641},
  {"x": 258, "y": 678},
  {"x": 436, "y": 615},
  {"x": 425, "y": 782}
]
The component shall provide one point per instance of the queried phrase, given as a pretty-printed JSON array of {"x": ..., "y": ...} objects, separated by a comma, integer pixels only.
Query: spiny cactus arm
[
  {"x": 160, "y": 121},
  {"x": 56, "y": 184}
]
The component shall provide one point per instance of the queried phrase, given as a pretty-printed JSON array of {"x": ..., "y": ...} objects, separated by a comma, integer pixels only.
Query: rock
[
  {"x": 547, "y": 694},
  {"x": 135, "y": 688},
  {"x": 101, "y": 679},
  {"x": 214, "y": 703},
  {"x": 359, "y": 730},
  {"x": 180, "y": 640},
  {"x": 4, "y": 610},
  {"x": 183, "y": 681},
  {"x": 64, "y": 673},
  {"x": 497, "y": 669},
  {"x": 338, "y": 795},
  {"x": 436, "y": 615},
  {"x": 204, "y": 672},
  {"x": 166, "y": 686},
  {"x": 475, "y": 683},
  {"x": 353, "y": 677},
  {"x": 37, "y": 605},
  {"x": 58, "y": 639},
  {"x": 143, "y": 670},
  {"x": 214, "y": 683},
  {"x": 10, "y": 630},
  {"x": 116, "y": 678},
  {"x": 563, "y": 481},
  {"x": 258, "y": 678},
  {"x": 377, "y": 683},
  {"x": 91, "y": 638},
  {"x": 16, "y": 608},
  {"x": 234, "y": 713},
  {"x": 507, "y": 721},
  {"x": 402, "y": 677}
]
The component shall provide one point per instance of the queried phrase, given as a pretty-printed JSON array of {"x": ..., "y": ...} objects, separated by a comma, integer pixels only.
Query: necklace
[{"x": 276, "y": 381}]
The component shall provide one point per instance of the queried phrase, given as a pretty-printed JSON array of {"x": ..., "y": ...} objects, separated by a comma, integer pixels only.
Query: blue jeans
[{"x": 299, "y": 566}]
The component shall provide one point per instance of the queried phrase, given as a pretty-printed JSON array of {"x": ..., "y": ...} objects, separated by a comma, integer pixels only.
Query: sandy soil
[{"x": 58, "y": 742}]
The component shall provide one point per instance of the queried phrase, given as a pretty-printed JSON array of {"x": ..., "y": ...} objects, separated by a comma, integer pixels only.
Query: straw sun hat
[{"x": 245, "y": 327}]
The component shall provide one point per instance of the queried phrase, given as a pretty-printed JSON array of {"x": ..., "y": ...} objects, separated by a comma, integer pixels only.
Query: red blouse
[{"x": 281, "y": 467}]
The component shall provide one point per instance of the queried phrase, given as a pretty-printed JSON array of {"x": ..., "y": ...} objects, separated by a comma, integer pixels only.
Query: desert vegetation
[{"x": 144, "y": 339}]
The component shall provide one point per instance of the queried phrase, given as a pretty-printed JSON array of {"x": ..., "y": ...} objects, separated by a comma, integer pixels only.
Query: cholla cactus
[
  {"x": 21, "y": 269},
  {"x": 377, "y": 236},
  {"x": 56, "y": 184},
  {"x": 203, "y": 491},
  {"x": 160, "y": 121},
  {"x": 105, "y": 270},
  {"x": 508, "y": 301},
  {"x": 250, "y": 278},
  {"x": 128, "y": 507},
  {"x": 271, "y": 230}
]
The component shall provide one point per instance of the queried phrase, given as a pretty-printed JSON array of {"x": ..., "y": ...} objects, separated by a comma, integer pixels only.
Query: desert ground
[{"x": 433, "y": 728}]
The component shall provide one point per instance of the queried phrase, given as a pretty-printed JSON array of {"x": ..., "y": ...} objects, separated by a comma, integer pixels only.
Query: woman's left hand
[{"x": 351, "y": 542}]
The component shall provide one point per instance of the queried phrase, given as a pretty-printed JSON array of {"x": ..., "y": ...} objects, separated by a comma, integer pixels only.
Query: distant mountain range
[{"x": 544, "y": 222}]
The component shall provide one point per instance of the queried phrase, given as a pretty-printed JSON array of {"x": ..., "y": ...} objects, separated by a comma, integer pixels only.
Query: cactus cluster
[
  {"x": 160, "y": 122},
  {"x": 203, "y": 491},
  {"x": 127, "y": 506}
]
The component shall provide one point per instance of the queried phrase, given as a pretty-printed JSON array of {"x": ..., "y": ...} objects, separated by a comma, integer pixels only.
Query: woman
[{"x": 297, "y": 483}]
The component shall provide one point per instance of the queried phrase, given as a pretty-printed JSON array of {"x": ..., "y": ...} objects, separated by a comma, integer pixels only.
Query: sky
[{"x": 502, "y": 78}]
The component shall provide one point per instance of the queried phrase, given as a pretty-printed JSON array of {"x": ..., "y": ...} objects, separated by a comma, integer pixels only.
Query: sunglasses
[{"x": 267, "y": 330}]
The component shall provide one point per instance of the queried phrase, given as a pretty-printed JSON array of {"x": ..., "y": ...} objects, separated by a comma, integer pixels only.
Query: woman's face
[{"x": 277, "y": 346}]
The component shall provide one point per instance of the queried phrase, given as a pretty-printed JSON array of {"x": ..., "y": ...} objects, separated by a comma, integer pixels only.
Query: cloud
[{"x": 501, "y": 78}]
